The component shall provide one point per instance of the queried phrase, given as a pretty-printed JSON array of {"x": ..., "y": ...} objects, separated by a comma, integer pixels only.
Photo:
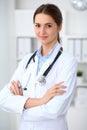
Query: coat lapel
[
  {"x": 45, "y": 65},
  {"x": 48, "y": 62}
]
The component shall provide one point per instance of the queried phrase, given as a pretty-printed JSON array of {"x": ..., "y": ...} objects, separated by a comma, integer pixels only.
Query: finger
[
  {"x": 57, "y": 85},
  {"x": 61, "y": 91},
  {"x": 12, "y": 89},
  {"x": 21, "y": 91},
  {"x": 16, "y": 89},
  {"x": 57, "y": 93},
  {"x": 60, "y": 87},
  {"x": 18, "y": 83},
  {"x": 19, "y": 88},
  {"x": 60, "y": 83}
]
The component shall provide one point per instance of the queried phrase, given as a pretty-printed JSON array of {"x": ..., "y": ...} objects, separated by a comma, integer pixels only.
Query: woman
[{"x": 42, "y": 87}]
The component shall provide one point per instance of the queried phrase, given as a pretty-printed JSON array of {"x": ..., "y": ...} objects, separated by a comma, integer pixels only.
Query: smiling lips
[{"x": 43, "y": 37}]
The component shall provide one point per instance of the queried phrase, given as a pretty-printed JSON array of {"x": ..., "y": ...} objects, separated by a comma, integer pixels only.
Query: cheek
[{"x": 53, "y": 33}]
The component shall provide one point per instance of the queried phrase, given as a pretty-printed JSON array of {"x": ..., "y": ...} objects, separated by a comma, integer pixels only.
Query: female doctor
[{"x": 42, "y": 87}]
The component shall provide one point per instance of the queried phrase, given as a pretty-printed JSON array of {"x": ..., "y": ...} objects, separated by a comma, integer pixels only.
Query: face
[{"x": 46, "y": 29}]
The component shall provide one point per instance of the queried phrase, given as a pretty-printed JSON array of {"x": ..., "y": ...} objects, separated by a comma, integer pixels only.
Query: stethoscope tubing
[{"x": 42, "y": 79}]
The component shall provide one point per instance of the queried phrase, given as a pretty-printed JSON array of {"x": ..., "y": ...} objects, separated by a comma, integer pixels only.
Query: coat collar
[{"x": 47, "y": 63}]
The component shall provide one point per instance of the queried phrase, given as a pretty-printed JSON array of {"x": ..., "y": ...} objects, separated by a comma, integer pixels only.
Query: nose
[{"x": 42, "y": 30}]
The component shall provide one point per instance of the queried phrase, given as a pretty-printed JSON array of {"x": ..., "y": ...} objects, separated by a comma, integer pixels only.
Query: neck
[{"x": 46, "y": 49}]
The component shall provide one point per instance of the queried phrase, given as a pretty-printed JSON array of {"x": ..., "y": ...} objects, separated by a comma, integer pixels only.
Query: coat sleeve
[
  {"x": 57, "y": 106},
  {"x": 9, "y": 101}
]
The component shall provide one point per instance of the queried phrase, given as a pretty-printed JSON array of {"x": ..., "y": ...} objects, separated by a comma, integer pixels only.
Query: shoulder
[
  {"x": 24, "y": 61},
  {"x": 27, "y": 57},
  {"x": 67, "y": 58}
]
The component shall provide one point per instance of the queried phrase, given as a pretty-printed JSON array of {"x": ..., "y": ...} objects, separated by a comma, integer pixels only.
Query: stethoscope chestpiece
[{"x": 42, "y": 80}]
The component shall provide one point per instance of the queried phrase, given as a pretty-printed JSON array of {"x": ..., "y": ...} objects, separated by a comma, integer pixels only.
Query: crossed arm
[{"x": 56, "y": 90}]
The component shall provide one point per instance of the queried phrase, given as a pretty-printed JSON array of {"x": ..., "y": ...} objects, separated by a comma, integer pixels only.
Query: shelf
[
  {"x": 77, "y": 46},
  {"x": 82, "y": 84},
  {"x": 76, "y": 36}
]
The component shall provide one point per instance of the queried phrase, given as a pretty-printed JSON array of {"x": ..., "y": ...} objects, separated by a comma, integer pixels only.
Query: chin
[{"x": 43, "y": 42}]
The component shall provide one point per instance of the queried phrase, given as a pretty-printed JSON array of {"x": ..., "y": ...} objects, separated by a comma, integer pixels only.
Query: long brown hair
[{"x": 53, "y": 11}]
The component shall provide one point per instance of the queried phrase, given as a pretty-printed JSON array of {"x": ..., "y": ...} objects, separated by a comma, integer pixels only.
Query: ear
[{"x": 59, "y": 27}]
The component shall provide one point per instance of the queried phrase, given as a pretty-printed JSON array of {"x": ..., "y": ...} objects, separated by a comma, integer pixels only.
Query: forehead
[{"x": 43, "y": 18}]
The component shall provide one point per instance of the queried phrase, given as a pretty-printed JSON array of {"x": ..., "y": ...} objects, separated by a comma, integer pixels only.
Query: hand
[
  {"x": 56, "y": 90},
  {"x": 15, "y": 88}
]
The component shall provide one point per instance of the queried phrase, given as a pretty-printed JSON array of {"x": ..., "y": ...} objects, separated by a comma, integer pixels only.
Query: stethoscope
[{"x": 42, "y": 79}]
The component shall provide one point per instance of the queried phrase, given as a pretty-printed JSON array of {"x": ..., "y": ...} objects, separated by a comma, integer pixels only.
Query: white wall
[
  {"x": 7, "y": 41},
  {"x": 27, "y": 4},
  {"x": 12, "y": 37},
  {"x": 7, "y": 56},
  {"x": 3, "y": 42}
]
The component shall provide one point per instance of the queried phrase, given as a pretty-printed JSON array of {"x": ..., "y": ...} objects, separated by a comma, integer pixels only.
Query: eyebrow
[{"x": 45, "y": 23}]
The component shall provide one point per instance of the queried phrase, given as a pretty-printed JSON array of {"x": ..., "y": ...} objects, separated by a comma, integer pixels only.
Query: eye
[
  {"x": 37, "y": 25},
  {"x": 48, "y": 26}
]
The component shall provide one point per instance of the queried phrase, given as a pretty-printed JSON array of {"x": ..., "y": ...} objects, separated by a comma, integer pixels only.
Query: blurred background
[{"x": 17, "y": 38}]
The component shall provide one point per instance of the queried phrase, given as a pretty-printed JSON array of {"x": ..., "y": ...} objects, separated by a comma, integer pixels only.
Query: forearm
[
  {"x": 53, "y": 91},
  {"x": 32, "y": 102}
]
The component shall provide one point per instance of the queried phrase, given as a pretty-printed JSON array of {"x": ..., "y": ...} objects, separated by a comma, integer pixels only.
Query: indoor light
[{"x": 79, "y": 4}]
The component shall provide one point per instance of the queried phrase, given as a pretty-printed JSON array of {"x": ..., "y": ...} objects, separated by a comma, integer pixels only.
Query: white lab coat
[{"x": 50, "y": 116}]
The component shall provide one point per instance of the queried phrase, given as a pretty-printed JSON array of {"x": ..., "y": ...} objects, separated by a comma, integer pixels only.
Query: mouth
[{"x": 43, "y": 37}]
